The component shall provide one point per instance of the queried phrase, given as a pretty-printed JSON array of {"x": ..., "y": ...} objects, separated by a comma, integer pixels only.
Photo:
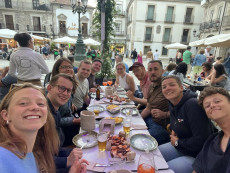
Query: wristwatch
[{"x": 176, "y": 143}]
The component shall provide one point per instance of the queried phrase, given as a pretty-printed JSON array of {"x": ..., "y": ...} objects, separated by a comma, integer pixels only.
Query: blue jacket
[
  {"x": 199, "y": 60},
  {"x": 190, "y": 123}
]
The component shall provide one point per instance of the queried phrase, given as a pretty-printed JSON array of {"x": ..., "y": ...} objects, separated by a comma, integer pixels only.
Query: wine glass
[
  {"x": 105, "y": 81},
  {"x": 110, "y": 81},
  {"x": 146, "y": 163}
]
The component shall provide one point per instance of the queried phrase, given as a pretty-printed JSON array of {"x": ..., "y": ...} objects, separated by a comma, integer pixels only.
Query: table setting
[{"x": 127, "y": 139}]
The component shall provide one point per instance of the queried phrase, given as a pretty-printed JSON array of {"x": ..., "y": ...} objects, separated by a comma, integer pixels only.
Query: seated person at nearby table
[
  {"x": 142, "y": 75},
  {"x": 119, "y": 58},
  {"x": 215, "y": 155},
  {"x": 219, "y": 78},
  {"x": 81, "y": 99},
  {"x": 207, "y": 67},
  {"x": 5, "y": 82},
  {"x": 96, "y": 67},
  {"x": 169, "y": 68},
  {"x": 123, "y": 79},
  {"x": 59, "y": 92},
  {"x": 189, "y": 124},
  {"x": 180, "y": 71},
  {"x": 27, "y": 143}
]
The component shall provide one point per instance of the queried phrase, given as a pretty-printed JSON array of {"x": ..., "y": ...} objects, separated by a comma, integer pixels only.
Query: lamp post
[{"x": 80, "y": 46}]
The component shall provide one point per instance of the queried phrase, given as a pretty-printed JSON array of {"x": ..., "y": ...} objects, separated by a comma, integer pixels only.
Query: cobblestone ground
[{"x": 50, "y": 63}]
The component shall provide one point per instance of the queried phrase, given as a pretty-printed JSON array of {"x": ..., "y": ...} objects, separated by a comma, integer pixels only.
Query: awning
[
  {"x": 65, "y": 40},
  {"x": 90, "y": 41},
  {"x": 198, "y": 43},
  {"x": 222, "y": 40},
  {"x": 176, "y": 46},
  {"x": 39, "y": 37},
  {"x": 7, "y": 33}
]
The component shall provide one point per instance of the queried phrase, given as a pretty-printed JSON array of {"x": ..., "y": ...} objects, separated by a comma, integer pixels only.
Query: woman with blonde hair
[
  {"x": 139, "y": 58},
  {"x": 124, "y": 79},
  {"x": 29, "y": 139}
]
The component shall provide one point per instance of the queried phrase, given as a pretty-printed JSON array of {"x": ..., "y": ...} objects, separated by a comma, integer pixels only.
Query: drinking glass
[
  {"x": 105, "y": 81},
  {"x": 102, "y": 139},
  {"x": 110, "y": 82},
  {"x": 146, "y": 163},
  {"x": 127, "y": 124}
]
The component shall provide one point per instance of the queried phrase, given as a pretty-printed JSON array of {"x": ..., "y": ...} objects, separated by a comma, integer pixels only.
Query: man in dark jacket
[
  {"x": 134, "y": 55},
  {"x": 59, "y": 91}
]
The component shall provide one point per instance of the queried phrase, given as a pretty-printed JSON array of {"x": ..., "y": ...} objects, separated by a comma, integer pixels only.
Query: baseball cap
[{"x": 135, "y": 64}]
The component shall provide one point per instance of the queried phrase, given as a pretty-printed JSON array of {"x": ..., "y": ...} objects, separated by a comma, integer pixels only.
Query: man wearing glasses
[{"x": 60, "y": 89}]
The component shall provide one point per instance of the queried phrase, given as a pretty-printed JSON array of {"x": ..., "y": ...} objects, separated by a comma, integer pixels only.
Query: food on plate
[
  {"x": 119, "y": 146},
  {"x": 110, "y": 107},
  {"x": 116, "y": 119}
]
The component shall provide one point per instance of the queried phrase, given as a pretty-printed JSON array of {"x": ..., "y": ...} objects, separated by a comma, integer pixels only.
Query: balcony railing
[
  {"x": 119, "y": 33},
  {"x": 42, "y": 7},
  {"x": 36, "y": 28},
  {"x": 167, "y": 39},
  {"x": 148, "y": 37},
  {"x": 153, "y": 19},
  {"x": 188, "y": 19},
  {"x": 121, "y": 13},
  {"x": 169, "y": 18}
]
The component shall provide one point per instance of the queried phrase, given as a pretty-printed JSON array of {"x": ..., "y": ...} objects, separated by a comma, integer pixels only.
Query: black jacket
[{"x": 190, "y": 123}]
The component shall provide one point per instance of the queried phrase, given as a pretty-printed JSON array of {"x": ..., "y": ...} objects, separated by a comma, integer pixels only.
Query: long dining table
[{"x": 93, "y": 155}]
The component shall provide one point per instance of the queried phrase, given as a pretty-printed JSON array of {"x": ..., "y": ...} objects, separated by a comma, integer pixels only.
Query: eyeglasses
[
  {"x": 66, "y": 67},
  {"x": 63, "y": 89}
]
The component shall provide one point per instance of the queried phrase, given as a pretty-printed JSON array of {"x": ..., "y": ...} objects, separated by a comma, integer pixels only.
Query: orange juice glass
[
  {"x": 104, "y": 83},
  {"x": 110, "y": 82}
]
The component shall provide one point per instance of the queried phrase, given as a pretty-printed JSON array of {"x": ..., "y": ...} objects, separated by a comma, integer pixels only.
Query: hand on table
[
  {"x": 79, "y": 166},
  {"x": 130, "y": 95},
  {"x": 157, "y": 114},
  {"x": 76, "y": 153},
  {"x": 173, "y": 138}
]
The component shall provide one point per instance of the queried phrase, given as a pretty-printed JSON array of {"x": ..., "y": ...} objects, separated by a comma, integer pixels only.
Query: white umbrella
[
  {"x": 65, "y": 40},
  {"x": 39, "y": 37},
  {"x": 7, "y": 33},
  {"x": 198, "y": 43},
  {"x": 222, "y": 40},
  {"x": 176, "y": 46},
  {"x": 90, "y": 41}
]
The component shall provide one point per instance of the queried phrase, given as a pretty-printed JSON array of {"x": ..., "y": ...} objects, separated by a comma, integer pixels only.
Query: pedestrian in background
[
  {"x": 134, "y": 55},
  {"x": 198, "y": 61},
  {"x": 139, "y": 58}
]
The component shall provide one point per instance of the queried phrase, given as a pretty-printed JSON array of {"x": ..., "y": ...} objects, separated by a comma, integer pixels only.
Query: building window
[
  {"x": 166, "y": 36},
  {"x": 188, "y": 15},
  {"x": 84, "y": 28},
  {"x": 219, "y": 12},
  {"x": 146, "y": 49},
  {"x": 118, "y": 27},
  {"x": 150, "y": 12},
  {"x": 164, "y": 51},
  {"x": 169, "y": 14},
  {"x": 35, "y": 4},
  {"x": 8, "y": 4},
  {"x": 62, "y": 27},
  {"x": 148, "y": 34},
  {"x": 185, "y": 36},
  {"x": 119, "y": 8},
  {"x": 9, "y": 22},
  {"x": 37, "y": 23}
]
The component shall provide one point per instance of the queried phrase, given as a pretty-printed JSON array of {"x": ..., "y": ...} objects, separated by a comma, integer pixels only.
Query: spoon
[{"x": 85, "y": 144}]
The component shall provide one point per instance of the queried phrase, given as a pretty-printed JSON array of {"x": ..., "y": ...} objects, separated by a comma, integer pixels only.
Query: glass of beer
[
  {"x": 146, "y": 163},
  {"x": 126, "y": 125},
  {"x": 102, "y": 139}
]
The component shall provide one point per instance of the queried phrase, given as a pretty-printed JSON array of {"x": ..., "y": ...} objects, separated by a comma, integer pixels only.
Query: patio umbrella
[
  {"x": 222, "y": 40},
  {"x": 92, "y": 42},
  {"x": 7, "y": 33},
  {"x": 176, "y": 46},
  {"x": 198, "y": 43},
  {"x": 65, "y": 40}
]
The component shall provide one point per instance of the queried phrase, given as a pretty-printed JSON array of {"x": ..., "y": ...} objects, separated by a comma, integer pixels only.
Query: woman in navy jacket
[{"x": 189, "y": 124}]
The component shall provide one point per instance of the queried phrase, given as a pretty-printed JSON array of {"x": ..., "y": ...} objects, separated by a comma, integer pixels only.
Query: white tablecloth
[{"x": 93, "y": 154}]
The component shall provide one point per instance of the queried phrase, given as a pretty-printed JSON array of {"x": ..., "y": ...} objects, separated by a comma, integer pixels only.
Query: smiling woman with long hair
[{"x": 28, "y": 135}]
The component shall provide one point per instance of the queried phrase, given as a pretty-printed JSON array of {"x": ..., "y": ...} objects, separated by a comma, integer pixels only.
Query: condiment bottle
[{"x": 98, "y": 93}]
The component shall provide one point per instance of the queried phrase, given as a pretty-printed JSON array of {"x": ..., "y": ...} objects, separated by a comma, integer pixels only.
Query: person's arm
[
  {"x": 216, "y": 80},
  {"x": 131, "y": 96},
  {"x": 42, "y": 64},
  {"x": 117, "y": 81},
  {"x": 146, "y": 112},
  {"x": 130, "y": 82}
]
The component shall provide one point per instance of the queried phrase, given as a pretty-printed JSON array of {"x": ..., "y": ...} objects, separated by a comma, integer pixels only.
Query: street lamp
[
  {"x": 194, "y": 33},
  {"x": 79, "y": 8}
]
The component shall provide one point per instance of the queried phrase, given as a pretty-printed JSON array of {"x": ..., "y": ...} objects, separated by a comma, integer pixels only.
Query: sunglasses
[{"x": 63, "y": 89}]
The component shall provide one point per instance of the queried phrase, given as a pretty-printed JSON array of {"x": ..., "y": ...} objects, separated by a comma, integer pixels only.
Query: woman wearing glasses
[{"x": 26, "y": 64}]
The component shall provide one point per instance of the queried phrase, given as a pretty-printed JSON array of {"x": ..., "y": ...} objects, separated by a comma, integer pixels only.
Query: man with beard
[
  {"x": 60, "y": 89},
  {"x": 142, "y": 75},
  {"x": 156, "y": 114},
  {"x": 96, "y": 67},
  {"x": 81, "y": 99}
]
